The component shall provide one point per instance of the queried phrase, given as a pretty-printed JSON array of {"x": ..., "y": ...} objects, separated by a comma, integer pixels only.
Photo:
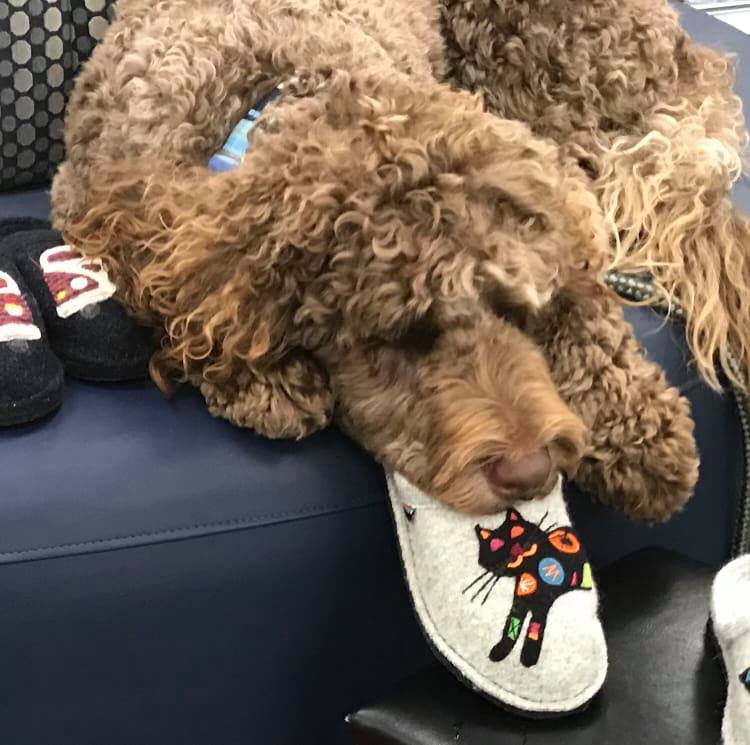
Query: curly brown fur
[
  {"x": 652, "y": 118},
  {"x": 641, "y": 455},
  {"x": 438, "y": 406},
  {"x": 382, "y": 246}
]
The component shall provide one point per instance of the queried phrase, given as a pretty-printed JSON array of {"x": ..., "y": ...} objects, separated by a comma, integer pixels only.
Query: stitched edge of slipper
[
  {"x": 453, "y": 659},
  {"x": 131, "y": 370},
  {"x": 51, "y": 399}
]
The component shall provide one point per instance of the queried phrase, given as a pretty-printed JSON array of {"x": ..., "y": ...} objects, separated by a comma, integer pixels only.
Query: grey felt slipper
[
  {"x": 507, "y": 601},
  {"x": 730, "y": 617}
]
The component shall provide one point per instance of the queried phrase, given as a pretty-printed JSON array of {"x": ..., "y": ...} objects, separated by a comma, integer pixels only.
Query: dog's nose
[{"x": 522, "y": 475}]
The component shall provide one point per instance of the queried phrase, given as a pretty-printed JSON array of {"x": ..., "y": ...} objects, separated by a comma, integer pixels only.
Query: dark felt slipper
[
  {"x": 19, "y": 224},
  {"x": 31, "y": 376},
  {"x": 88, "y": 329}
]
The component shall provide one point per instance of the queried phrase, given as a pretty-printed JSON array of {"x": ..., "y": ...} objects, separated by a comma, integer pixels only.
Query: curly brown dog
[{"x": 387, "y": 249}]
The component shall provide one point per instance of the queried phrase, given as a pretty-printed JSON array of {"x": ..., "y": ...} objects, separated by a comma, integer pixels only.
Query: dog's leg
[
  {"x": 642, "y": 455},
  {"x": 289, "y": 400}
]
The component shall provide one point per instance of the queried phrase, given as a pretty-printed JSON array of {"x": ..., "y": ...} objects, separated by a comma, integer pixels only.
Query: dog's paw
[
  {"x": 645, "y": 463},
  {"x": 289, "y": 402}
]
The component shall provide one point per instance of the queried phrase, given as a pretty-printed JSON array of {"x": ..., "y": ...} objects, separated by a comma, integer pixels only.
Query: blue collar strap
[{"x": 233, "y": 150}]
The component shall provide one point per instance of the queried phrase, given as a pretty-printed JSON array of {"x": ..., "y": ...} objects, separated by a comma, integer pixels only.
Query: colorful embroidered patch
[
  {"x": 73, "y": 280},
  {"x": 745, "y": 679},
  {"x": 527, "y": 585},
  {"x": 16, "y": 321},
  {"x": 587, "y": 582},
  {"x": 558, "y": 566},
  {"x": 521, "y": 555},
  {"x": 514, "y": 627},
  {"x": 551, "y": 571},
  {"x": 565, "y": 541}
]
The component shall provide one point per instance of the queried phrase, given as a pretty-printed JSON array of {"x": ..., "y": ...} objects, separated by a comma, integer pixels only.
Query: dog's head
[
  {"x": 399, "y": 236},
  {"x": 466, "y": 411},
  {"x": 455, "y": 228}
]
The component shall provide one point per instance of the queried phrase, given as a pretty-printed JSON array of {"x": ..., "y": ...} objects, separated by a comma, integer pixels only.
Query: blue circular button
[{"x": 551, "y": 572}]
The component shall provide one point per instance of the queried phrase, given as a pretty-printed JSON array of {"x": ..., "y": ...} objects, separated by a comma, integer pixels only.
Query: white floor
[
  {"x": 739, "y": 18},
  {"x": 734, "y": 12}
]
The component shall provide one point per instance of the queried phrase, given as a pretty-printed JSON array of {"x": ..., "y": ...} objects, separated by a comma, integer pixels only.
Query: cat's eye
[
  {"x": 516, "y": 531},
  {"x": 496, "y": 544}
]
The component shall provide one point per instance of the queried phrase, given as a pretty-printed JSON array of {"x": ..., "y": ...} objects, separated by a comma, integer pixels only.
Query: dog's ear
[
  {"x": 534, "y": 219},
  {"x": 378, "y": 304},
  {"x": 201, "y": 262},
  {"x": 455, "y": 207}
]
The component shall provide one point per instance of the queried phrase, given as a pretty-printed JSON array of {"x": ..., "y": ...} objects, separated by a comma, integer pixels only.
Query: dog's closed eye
[
  {"x": 420, "y": 338},
  {"x": 503, "y": 307}
]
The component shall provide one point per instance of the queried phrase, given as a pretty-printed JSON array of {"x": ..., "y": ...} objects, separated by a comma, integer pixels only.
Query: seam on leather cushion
[{"x": 174, "y": 534}]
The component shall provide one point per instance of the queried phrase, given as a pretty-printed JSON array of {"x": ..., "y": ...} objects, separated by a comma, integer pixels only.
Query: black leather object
[{"x": 665, "y": 685}]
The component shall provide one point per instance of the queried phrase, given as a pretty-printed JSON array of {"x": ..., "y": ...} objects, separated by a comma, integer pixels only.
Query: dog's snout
[{"x": 528, "y": 473}]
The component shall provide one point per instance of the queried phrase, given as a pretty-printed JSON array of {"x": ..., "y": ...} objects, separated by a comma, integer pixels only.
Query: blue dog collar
[{"x": 233, "y": 150}]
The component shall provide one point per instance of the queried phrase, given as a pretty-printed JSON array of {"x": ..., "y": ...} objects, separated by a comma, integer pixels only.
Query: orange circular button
[
  {"x": 565, "y": 541},
  {"x": 527, "y": 585}
]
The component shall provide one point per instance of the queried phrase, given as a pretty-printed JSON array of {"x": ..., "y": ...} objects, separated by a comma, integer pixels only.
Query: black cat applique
[{"x": 546, "y": 563}]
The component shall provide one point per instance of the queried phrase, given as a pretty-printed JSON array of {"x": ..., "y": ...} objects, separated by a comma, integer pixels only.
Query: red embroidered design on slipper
[
  {"x": 74, "y": 280},
  {"x": 16, "y": 321}
]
